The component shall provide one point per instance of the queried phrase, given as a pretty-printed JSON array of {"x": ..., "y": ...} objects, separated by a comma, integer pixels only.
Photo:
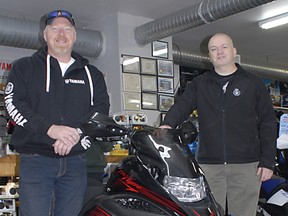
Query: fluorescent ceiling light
[{"x": 274, "y": 21}]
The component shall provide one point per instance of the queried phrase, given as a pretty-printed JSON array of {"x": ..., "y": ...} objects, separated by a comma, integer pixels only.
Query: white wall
[
  {"x": 127, "y": 45},
  {"x": 108, "y": 61},
  {"x": 118, "y": 32},
  {"x": 12, "y": 54}
]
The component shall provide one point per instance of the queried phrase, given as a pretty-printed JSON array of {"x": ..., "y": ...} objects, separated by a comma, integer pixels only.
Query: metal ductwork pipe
[
  {"x": 199, "y": 14},
  {"x": 202, "y": 62},
  {"x": 89, "y": 43},
  {"x": 19, "y": 33},
  {"x": 28, "y": 34},
  {"x": 266, "y": 72},
  {"x": 190, "y": 59}
]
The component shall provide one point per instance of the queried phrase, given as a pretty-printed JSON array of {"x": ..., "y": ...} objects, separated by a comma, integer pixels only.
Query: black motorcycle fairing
[
  {"x": 131, "y": 204},
  {"x": 100, "y": 125},
  {"x": 164, "y": 152},
  {"x": 159, "y": 154},
  {"x": 276, "y": 210},
  {"x": 128, "y": 176},
  {"x": 120, "y": 204}
]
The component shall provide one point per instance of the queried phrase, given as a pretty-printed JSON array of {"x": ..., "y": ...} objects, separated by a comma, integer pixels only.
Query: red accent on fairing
[
  {"x": 195, "y": 213},
  {"x": 134, "y": 187},
  {"x": 131, "y": 185},
  {"x": 98, "y": 212}
]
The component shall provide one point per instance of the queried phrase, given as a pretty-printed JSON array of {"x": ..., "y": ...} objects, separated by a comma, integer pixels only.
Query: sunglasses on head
[{"x": 60, "y": 13}]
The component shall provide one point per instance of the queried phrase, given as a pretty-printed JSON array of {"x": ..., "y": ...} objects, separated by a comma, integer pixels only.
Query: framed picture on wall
[
  {"x": 132, "y": 100},
  {"x": 130, "y": 64},
  {"x": 131, "y": 82},
  {"x": 165, "y": 102},
  {"x": 148, "y": 66},
  {"x": 165, "y": 68},
  {"x": 149, "y": 101},
  {"x": 149, "y": 83},
  {"x": 160, "y": 49},
  {"x": 165, "y": 85}
]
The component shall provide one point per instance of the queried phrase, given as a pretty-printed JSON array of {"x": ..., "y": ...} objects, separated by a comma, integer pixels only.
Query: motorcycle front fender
[
  {"x": 131, "y": 204},
  {"x": 123, "y": 205}
]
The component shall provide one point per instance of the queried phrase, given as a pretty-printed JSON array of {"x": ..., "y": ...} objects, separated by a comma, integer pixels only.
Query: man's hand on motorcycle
[
  {"x": 65, "y": 134},
  {"x": 264, "y": 173},
  {"x": 161, "y": 132},
  {"x": 165, "y": 126}
]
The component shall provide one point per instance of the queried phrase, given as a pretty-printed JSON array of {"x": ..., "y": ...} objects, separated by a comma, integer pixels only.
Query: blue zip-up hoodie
[
  {"x": 38, "y": 96},
  {"x": 236, "y": 127}
]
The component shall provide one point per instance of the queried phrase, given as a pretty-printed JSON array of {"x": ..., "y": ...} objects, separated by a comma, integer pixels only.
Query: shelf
[
  {"x": 280, "y": 108},
  {"x": 115, "y": 158},
  {"x": 9, "y": 166}
]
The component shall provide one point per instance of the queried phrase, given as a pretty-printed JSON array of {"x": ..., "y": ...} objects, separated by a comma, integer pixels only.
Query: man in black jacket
[
  {"x": 237, "y": 128},
  {"x": 48, "y": 95}
]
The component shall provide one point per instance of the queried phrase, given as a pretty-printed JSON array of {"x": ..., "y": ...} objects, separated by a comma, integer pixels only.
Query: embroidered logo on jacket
[
  {"x": 85, "y": 142},
  {"x": 74, "y": 81},
  {"x": 236, "y": 92},
  {"x": 9, "y": 88}
]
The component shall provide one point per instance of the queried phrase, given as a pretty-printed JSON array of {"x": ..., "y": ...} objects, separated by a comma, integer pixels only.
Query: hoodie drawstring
[
  {"x": 90, "y": 84},
  {"x": 48, "y": 73}
]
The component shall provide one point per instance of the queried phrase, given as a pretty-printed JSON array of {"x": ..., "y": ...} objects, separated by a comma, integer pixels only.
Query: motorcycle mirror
[
  {"x": 101, "y": 125},
  {"x": 188, "y": 132}
]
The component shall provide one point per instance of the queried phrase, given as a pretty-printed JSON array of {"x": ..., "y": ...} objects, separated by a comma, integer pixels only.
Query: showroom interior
[{"x": 148, "y": 51}]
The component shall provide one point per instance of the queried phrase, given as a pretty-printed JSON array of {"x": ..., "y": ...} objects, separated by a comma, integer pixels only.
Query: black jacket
[
  {"x": 236, "y": 127},
  {"x": 37, "y": 96}
]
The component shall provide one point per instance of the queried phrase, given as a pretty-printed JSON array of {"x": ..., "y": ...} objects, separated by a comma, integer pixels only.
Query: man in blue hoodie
[{"x": 48, "y": 95}]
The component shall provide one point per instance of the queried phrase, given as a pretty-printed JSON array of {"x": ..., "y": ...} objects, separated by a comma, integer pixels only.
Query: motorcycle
[
  {"x": 161, "y": 177},
  {"x": 273, "y": 199}
]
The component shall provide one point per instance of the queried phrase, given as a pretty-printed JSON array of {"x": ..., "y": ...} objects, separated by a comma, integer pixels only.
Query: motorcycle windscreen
[{"x": 162, "y": 149}]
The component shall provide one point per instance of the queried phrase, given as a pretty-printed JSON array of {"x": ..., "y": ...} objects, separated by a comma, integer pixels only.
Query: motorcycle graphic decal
[{"x": 163, "y": 151}]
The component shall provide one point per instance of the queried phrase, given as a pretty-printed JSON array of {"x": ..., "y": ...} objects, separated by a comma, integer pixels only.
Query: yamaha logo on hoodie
[
  {"x": 9, "y": 88},
  {"x": 67, "y": 81},
  {"x": 16, "y": 116}
]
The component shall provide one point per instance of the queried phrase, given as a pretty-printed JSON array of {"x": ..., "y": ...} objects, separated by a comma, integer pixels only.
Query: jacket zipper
[
  {"x": 223, "y": 120},
  {"x": 224, "y": 135}
]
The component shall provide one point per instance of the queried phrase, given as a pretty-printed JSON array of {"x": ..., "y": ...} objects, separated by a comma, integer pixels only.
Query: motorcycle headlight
[{"x": 186, "y": 189}]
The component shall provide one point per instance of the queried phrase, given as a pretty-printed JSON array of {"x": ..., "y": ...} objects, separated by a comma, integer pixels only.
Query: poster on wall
[
  {"x": 284, "y": 94},
  {"x": 273, "y": 88},
  {"x": 283, "y": 126},
  {"x": 5, "y": 67}
]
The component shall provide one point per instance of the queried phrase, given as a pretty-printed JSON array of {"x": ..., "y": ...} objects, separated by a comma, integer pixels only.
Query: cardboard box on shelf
[{"x": 9, "y": 165}]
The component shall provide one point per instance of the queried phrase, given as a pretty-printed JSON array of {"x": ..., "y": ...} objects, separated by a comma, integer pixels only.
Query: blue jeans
[{"x": 51, "y": 186}]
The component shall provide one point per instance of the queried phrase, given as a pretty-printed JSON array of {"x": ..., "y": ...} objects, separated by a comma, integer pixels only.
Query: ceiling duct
[
  {"x": 202, "y": 62},
  {"x": 26, "y": 34},
  {"x": 199, "y": 14}
]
